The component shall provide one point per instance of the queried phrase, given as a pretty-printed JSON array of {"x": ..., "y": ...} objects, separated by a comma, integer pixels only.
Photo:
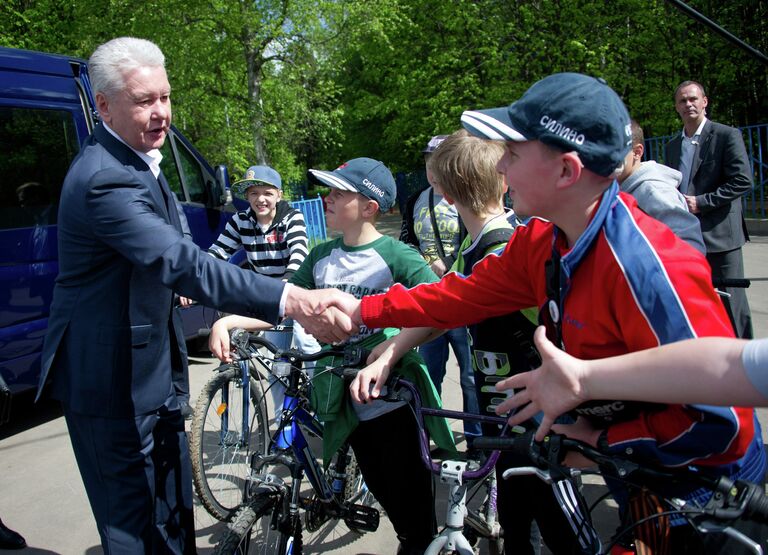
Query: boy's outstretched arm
[
  {"x": 383, "y": 358},
  {"x": 218, "y": 341},
  {"x": 707, "y": 370}
]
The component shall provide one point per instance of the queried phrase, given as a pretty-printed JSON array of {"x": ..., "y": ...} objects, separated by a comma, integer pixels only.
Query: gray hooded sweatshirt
[{"x": 654, "y": 186}]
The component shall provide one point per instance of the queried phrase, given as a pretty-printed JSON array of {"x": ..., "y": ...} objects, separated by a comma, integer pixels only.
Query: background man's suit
[
  {"x": 112, "y": 345},
  {"x": 720, "y": 175}
]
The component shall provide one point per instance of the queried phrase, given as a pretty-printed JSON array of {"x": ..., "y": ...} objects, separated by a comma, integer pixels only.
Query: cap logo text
[
  {"x": 372, "y": 187},
  {"x": 554, "y": 126}
]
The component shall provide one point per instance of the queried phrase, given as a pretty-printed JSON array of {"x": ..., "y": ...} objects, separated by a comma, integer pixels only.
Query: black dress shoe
[{"x": 10, "y": 539}]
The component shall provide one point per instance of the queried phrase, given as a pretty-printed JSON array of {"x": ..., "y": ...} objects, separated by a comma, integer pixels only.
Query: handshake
[{"x": 330, "y": 315}]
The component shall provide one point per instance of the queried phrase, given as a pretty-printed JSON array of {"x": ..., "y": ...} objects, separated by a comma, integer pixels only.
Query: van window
[
  {"x": 37, "y": 148},
  {"x": 187, "y": 169}
]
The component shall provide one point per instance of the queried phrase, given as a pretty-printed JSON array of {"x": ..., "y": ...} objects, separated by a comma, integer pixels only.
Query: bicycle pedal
[{"x": 362, "y": 518}]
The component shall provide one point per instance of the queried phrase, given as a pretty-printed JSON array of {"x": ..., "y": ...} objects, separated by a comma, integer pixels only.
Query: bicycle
[
  {"x": 731, "y": 500},
  {"x": 464, "y": 524},
  {"x": 268, "y": 520},
  {"x": 230, "y": 422}
]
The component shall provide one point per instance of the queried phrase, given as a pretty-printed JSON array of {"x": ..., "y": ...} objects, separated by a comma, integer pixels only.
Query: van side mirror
[{"x": 222, "y": 194}]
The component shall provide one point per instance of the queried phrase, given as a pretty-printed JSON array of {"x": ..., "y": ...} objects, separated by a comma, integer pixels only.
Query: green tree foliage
[
  {"x": 409, "y": 74},
  {"x": 310, "y": 83}
]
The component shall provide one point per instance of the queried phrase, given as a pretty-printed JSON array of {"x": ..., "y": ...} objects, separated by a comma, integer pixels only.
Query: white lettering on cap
[
  {"x": 557, "y": 128},
  {"x": 372, "y": 187}
]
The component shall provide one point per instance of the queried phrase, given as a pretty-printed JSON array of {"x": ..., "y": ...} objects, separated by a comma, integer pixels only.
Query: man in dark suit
[
  {"x": 716, "y": 173},
  {"x": 113, "y": 345}
]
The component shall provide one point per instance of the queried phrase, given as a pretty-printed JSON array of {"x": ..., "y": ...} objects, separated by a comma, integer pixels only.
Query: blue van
[{"x": 46, "y": 112}]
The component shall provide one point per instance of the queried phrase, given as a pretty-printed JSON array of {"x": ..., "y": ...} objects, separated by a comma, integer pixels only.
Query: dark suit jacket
[
  {"x": 720, "y": 175},
  {"x": 111, "y": 345}
]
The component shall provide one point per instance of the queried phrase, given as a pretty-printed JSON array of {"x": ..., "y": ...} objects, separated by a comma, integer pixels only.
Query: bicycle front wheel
[
  {"x": 225, "y": 433},
  {"x": 251, "y": 532}
]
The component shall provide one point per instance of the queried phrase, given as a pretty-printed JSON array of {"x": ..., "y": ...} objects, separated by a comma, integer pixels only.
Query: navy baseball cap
[
  {"x": 366, "y": 176},
  {"x": 433, "y": 143},
  {"x": 257, "y": 175},
  {"x": 568, "y": 111}
]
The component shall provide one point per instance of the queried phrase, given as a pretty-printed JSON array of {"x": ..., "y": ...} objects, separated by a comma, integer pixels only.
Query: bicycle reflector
[{"x": 281, "y": 368}]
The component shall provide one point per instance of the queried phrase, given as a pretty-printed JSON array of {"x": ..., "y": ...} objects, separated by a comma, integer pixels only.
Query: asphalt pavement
[{"x": 42, "y": 496}]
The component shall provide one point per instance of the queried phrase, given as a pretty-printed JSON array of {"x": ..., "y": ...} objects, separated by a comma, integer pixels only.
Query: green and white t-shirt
[{"x": 363, "y": 270}]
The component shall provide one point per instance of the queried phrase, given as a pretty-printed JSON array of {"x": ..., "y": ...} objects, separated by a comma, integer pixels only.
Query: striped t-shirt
[{"x": 277, "y": 251}]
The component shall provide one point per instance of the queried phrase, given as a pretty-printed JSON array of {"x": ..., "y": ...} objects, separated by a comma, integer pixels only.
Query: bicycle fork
[
  {"x": 224, "y": 412},
  {"x": 451, "y": 538}
]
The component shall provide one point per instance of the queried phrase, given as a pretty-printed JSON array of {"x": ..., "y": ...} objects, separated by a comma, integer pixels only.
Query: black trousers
[
  {"x": 387, "y": 450},
  {"x": 523, "y": 499},
  {"x": 138, "y": 478},
  {"x": 730, "y": 264}
]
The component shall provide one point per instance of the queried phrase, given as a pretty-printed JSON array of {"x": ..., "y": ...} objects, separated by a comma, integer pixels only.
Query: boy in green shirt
[
  {"x": 382, "y": 434},
  {"x": 464, "y": 170}
]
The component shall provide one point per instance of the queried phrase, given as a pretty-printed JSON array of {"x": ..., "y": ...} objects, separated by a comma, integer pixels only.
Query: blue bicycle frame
[{"x": 290, "y": 435}]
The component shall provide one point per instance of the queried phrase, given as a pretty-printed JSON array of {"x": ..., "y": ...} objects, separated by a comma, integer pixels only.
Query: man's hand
[
  {"x": 554, "y": 388},
  {"x": 218, "y": 341},
  {"x": 693, "y": 207},
  {"x": 309, "y": 308}
]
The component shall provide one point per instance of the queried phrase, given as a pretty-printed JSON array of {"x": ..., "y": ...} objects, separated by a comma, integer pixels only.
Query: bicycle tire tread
[
  {"x": 197, "y": 432},
  {"x": 242, "y": 522}
]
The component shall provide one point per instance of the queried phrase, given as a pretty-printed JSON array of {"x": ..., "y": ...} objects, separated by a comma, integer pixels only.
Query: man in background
[
  {"x": 655, "y": 187},
  {"x": 716, "y": 174}
]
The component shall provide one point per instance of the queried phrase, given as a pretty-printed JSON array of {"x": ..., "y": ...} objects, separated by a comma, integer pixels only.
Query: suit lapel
[{"x": 129, "y": 158}]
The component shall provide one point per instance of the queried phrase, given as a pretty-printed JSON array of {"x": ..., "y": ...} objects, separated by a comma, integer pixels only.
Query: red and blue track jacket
[{"x": 630, "y": 284}]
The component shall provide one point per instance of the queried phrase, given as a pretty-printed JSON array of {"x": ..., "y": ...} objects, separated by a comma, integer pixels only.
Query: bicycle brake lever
[
  {"x": 239, "y": 338},
  {"x": 543, "y": 475},
  {"x": 356, "y": 356},
  {"x": 707, "y": 527}
]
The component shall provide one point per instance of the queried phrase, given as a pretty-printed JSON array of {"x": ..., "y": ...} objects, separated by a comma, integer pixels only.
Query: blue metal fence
[
  {"x": 314, "y": 216},
  {"x": 756, "y": 141}
]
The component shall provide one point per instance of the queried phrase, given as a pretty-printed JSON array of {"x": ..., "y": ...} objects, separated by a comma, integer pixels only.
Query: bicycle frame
[
  {"x": 731, "y": 499},
  {"x": 451, "y": 472},
  {"x": 245, "y": 375},
  {"x": 244, "y": 365},
  {"x": 290, "y": 436}
]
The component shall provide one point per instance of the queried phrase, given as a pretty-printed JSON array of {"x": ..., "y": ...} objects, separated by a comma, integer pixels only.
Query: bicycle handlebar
[
  {"x": 732, "y": 498},
  {"x": 731, "y": 282},
  {"x": 353, "y": 355}
]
